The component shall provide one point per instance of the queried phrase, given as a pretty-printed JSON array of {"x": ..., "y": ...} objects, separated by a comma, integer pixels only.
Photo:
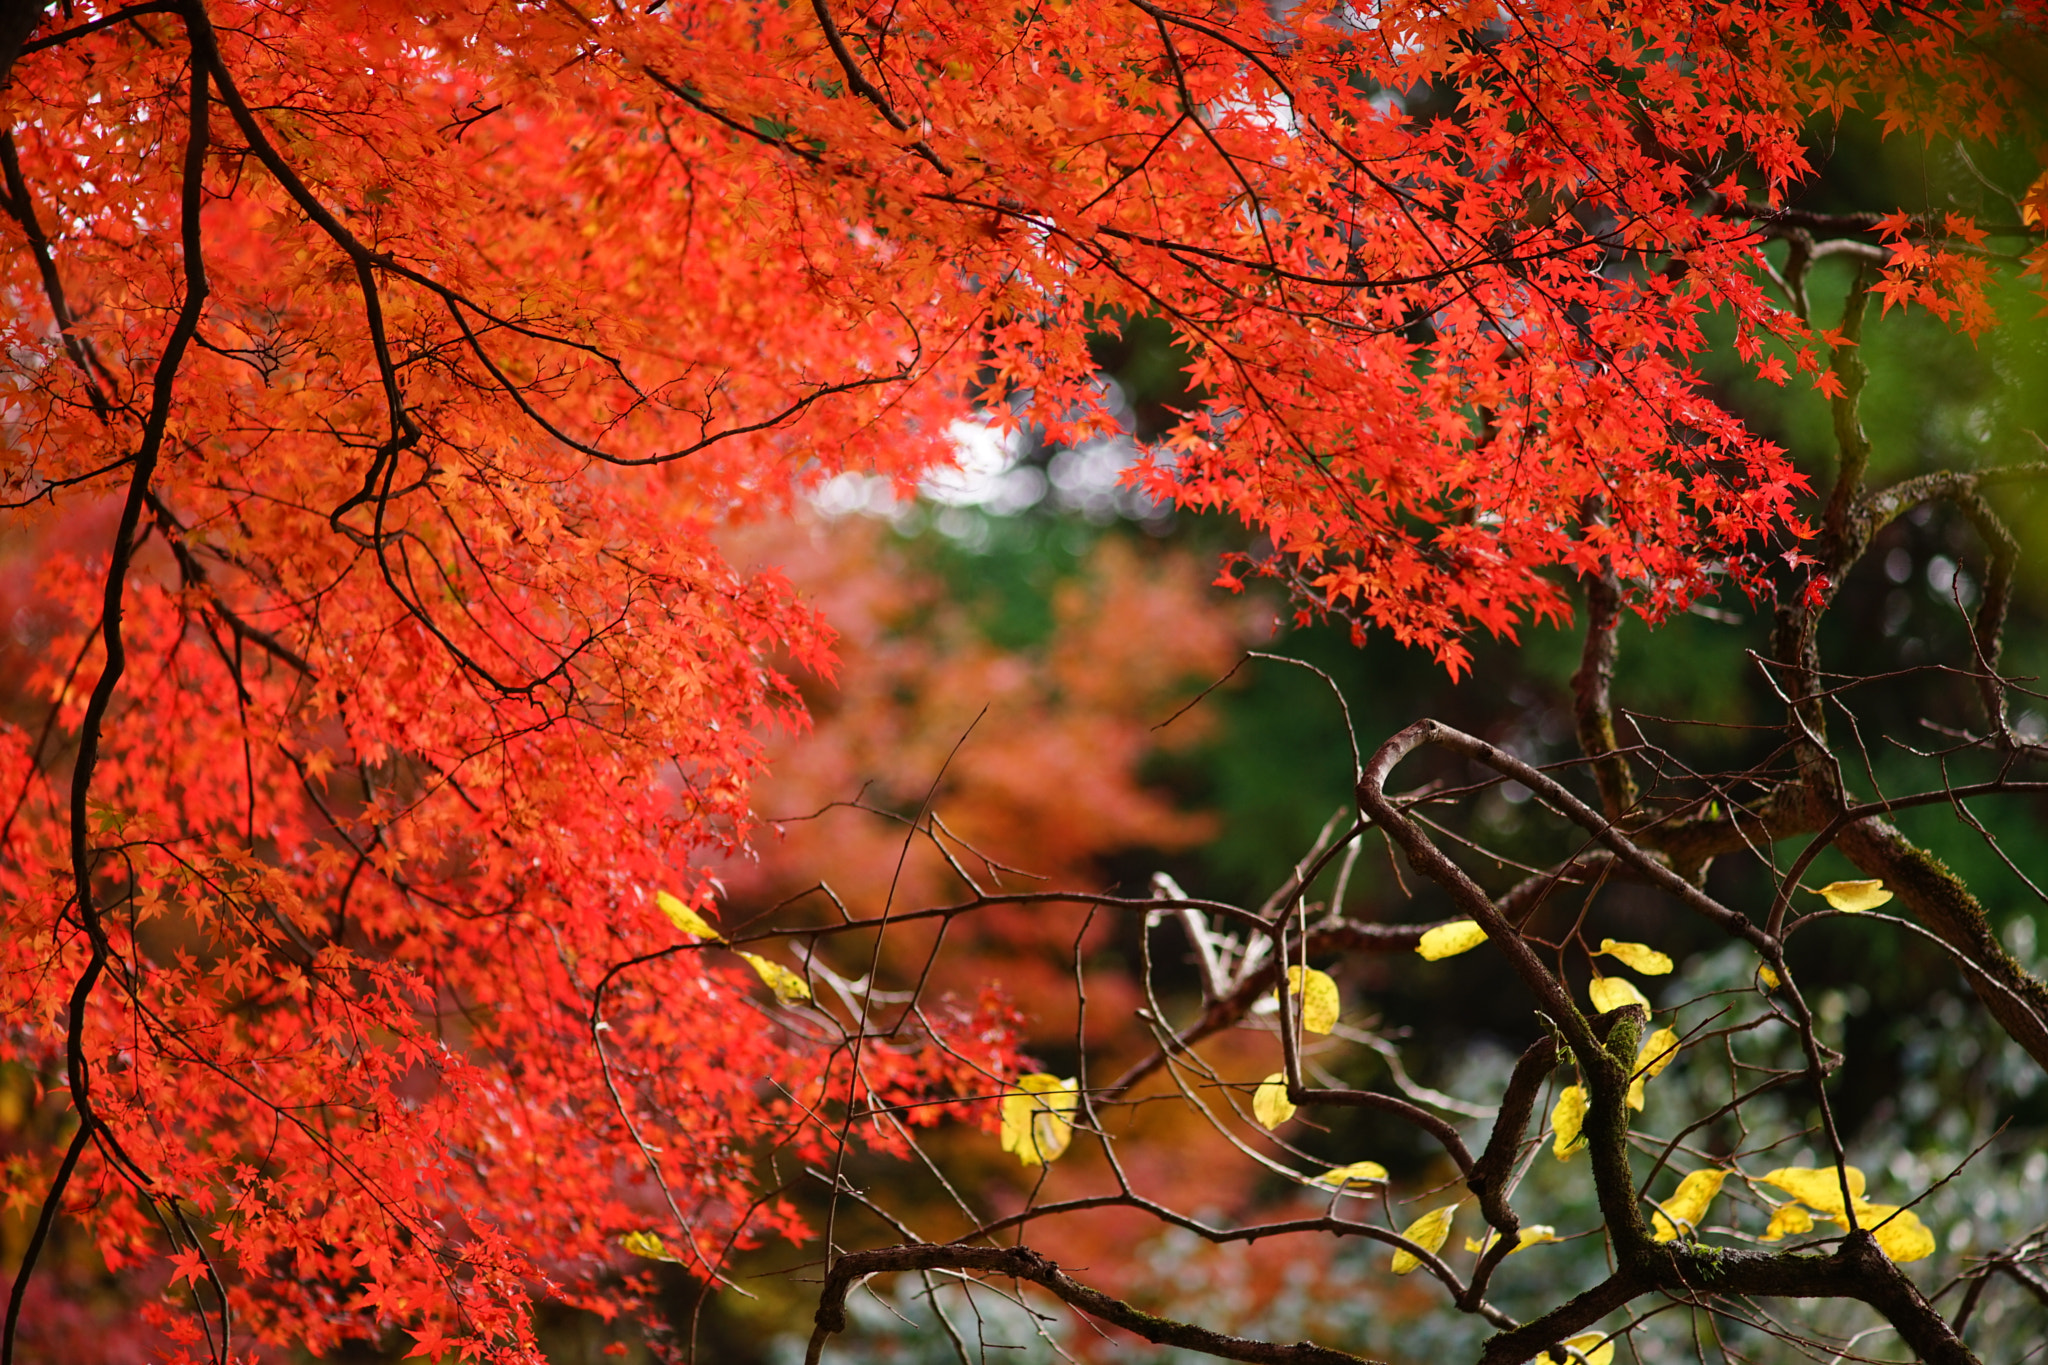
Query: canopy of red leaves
[{"x": 377, "y": 377}]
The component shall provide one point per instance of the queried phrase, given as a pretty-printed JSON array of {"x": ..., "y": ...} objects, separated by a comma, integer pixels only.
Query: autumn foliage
[{"x": 380, "y": 379}]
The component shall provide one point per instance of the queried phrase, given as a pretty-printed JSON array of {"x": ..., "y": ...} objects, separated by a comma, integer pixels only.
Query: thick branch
[
  {"x": 92, "y": 725},
  {"x": 1488, "y": 1177},
  {"x": 1987, "y": 632},
  {"x": 1022, "y": 1263},
  {"x": 1593, "y": 696},
  {"x": 1856, "y": 1270},
  {"x": 1840, "y": 544},
  {"x": 1938, "y": 898}
]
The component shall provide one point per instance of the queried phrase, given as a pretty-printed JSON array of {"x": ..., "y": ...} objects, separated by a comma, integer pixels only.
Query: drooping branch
[
  {"x": 92, "y": 725},
  {"x": 1022, "y": 1263}
]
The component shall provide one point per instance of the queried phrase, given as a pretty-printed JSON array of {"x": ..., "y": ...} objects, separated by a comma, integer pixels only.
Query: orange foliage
[
  {"x": 379, "y": 379},
  {"x": 1050, "y": 739},
  {"x": 1037, "y": 749}
]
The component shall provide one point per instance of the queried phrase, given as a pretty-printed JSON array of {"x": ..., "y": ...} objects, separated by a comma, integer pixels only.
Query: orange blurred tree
[{"x": 378, "y": 378}]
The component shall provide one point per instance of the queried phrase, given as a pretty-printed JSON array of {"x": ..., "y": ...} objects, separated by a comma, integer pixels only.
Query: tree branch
[
  {"x": 1022, "y": 1263},
  {"x": 1593, "y": 696}
]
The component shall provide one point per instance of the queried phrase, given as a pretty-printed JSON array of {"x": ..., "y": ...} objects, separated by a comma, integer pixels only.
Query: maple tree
[{"x": 380, "y": 377}]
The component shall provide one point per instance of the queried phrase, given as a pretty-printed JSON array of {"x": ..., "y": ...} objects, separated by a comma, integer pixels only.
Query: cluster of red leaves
[
  {"x": 352, "y": 1035},
  {"x": 435, "y": 671}
]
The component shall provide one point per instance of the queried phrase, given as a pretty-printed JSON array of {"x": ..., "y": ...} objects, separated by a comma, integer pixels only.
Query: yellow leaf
[
  {"x": 684, "y": 918},
  {"x": 1035, "y": 1122},
  {"x": 1652, "y": 1057},
  {"x": 1357, "y": 1175},
  {"x": 1855, "y": 895},
  {"x": 1768, "y": 977},
  {"x": 1638, "y": 956},
  {"x": 1320, "y": 1004},
  {"x": 1591, "y": 1347},
  {"x": 1899, "y": 1233},
  {"x": 1687, "y": 1204},
  {"x": 1427, "y": 1232},
  {"x": 1820, "y": 1190},
  {"x": 1270, "y": 1105},
  {"x": 1533, "y": 1235},
  {"x": 1657, "y": 1052},
  {"x": 2036, "y": 195},
  {"x": 1448, "y": 940},
  {"x": 789, "y": 988},
  {"x": 1788, "y": 1218},
  {"x": 648, "y": 1245},
  {"x": 1612, "y": 992},
  {"x": 1567, "y": 1118}
]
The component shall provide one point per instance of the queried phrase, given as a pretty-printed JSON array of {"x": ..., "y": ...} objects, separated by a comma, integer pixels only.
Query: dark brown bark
[
  {"x": 1856, "y": 1270},
  {"x": 1939, "y": 900},
  {"x": 1593, "y": 697},
  {"x": 1022, "y": 1263}
]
